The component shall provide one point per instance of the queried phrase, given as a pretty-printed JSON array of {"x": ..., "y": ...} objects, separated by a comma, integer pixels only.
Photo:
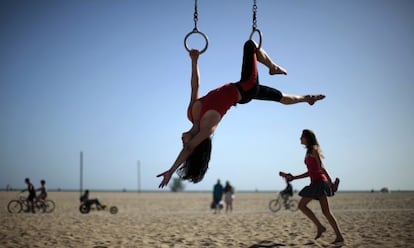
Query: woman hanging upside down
[{"x": 206, "y": 112}]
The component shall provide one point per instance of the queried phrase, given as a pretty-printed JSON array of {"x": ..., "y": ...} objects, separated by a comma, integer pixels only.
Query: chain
[
  {"x": 254, "y": 26},
  {"x": 254, "y": 15},
  {"x": 195, "y": 31},
  {"x": 195, "y": 15}
]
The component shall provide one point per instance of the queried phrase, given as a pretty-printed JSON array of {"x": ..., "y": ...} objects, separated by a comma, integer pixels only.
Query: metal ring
[
  {"x": 260, "y": 36},
  {"x": 195, "y": 31}
]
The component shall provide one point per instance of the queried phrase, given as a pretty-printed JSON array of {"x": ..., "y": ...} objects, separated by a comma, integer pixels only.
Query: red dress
[
  {"x": 319, "y": 185},
  {"x": 316, "y": 173}
]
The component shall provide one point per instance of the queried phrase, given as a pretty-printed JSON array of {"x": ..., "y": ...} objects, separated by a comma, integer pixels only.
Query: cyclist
[
  {"x": 286, "y": 193},
  {"x": 42, "y": 196},
  {"x": 43, "y": 191},
  {"x": 32, "y": 195}
]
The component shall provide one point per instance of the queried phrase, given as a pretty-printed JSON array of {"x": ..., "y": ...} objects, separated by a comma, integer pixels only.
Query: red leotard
[
  {"x": 315, "y": 170},
  {"x": 220, "y": 100}
]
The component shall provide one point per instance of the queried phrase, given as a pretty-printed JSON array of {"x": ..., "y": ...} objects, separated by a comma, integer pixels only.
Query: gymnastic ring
[
  {"x": 260, "y": 36},
  {"x": 195, "y": 31}
]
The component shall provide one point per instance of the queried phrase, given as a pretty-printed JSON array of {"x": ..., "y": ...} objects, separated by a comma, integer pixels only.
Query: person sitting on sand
[{"x": 85, "y": 200}]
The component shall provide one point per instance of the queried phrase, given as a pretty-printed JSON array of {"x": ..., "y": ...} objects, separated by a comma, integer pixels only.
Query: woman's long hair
[
  {"x": 196, "y": 165},
  {"x": 311, "y": 142}
]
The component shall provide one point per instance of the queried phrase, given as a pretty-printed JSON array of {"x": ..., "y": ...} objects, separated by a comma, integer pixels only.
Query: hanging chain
[
  {"x": 195, "y": 15},
  {"x": 195, "y": 31},
  {"x": 254, "y": 26}
]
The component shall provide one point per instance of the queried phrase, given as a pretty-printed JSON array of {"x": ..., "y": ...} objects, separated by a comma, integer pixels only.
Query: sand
[{"x": 185, "y": 220}]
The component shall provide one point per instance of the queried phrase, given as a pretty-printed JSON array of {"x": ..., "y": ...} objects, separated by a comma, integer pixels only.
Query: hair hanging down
[{"x": 196, "y": 165}]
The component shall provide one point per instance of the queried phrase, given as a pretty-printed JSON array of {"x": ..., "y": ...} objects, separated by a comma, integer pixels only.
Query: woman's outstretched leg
[
  {"x": 267, "y": 93},
  {"x": 249, "y": 80},
  {"x": 293, "y": 99},
  {"x": 265, "y": 59},
  {"x": 249, "y": 73},
  {"x": 249, "y": 86}
]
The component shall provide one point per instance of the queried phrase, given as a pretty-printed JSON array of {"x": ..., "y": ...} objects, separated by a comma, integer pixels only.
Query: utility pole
[
  {"x": 81, "y": 172},
  {"x": 139, "y": 176}
]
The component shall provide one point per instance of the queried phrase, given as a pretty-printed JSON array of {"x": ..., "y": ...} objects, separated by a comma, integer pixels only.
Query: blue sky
[{"x": 112, "y": 79}]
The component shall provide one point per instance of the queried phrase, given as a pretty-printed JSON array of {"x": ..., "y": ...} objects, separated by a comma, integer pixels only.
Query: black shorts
[{"x": 259, "y": 92}]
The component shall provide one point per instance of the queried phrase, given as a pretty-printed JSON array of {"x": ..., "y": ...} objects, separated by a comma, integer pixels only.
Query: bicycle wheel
[
  {"x": 113, "y": 210},
  {"x": 84, "y": 208},
  {"x": 274, "y": 205},
  {"x": 49, "y": 206},
  {"x": 293, "y": 205},
  {"x": 14, "y": 207},
  {"x": 25, "y": 207}
]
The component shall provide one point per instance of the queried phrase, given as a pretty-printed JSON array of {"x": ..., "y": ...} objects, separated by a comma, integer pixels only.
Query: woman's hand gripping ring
[{"x": 195, "y": 31}]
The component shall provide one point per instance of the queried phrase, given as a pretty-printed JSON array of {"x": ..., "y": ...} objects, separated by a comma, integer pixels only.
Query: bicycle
[
  {"x": 276, "y": 204},
  {"x": 20, "y": 204}
]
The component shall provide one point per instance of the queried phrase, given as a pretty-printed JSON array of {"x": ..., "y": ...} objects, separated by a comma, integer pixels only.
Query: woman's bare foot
[
  {"x": 321, "y": 230},
  {"x": 275, "y": 69},
  {"x": 335, "y": 185},
  {"x": 311, "y": 99},
  {"x": 338, "y": 240}
]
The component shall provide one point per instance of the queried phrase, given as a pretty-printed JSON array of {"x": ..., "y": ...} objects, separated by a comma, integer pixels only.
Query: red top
[
  {"x": 316, "y": 173},
  {"x": 220, "y": 99}
]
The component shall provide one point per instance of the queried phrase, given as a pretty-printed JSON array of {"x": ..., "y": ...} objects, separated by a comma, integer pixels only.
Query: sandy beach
[{"x": 185, "y": 220}]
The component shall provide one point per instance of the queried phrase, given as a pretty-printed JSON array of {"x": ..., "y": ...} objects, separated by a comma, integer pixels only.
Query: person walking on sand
[
  {"x": 217, "y": 196},
  {"x": 320, "y": 188},
  {"x": 205, "y": 113},
  {"x": 228, "y": 196}
]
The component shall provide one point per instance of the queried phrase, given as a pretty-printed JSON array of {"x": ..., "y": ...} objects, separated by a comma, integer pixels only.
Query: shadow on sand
[
  {"x": 271, "y": 244},
  {"x": 267, "y": 244}
]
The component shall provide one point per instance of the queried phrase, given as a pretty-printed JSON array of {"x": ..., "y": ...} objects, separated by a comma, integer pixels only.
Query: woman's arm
[
  {"x": 319, "y": 161},
  {"x": 184, "y": 154},
  {"x": 195, "y": 74},
  {"x": 192, "y": 137},
  {"x": 306, "y": 174},
  {"x": 195, "y": 79},
  {"x": 326, "y": 174},
  {"x": 289, "y": 177},
  {"x": 187, "y": 136}
]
